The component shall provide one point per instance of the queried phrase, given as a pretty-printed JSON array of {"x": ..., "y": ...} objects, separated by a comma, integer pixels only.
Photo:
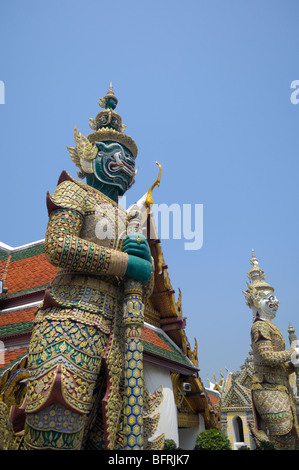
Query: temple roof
[
  {"x": 25, "y": 272},
  {"x": 236, "y": 392}
]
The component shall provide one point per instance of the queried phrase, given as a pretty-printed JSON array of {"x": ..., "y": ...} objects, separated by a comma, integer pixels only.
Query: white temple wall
[
  {"x": 188, "y": 436},
  {"x": 168, "y": 423}
]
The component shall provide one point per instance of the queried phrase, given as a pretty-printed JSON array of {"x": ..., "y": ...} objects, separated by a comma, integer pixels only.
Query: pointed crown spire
[
  {"x": 257, "y": 277},
  {"x": 256, "y": 273},
  {"x": 108, "y": 124},
  {"x": 109, "y": 99}
]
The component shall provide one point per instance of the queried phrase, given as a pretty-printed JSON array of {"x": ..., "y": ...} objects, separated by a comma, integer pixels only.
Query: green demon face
[{"x": 114, "y": 165}]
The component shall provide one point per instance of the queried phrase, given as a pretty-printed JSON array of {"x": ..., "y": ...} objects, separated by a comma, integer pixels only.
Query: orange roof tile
[
  {"x": 213, "y": 399},
  {"x": 151, "y": 337},
  {"x": 10, "y": 356},
  {"x": 2, "y": 266},
  {"x": 28, "y": 273},
  {"x": 17, "y": 316}
]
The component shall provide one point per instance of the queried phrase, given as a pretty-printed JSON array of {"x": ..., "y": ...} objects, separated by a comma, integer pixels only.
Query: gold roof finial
[{"x": 149, "y": 198}]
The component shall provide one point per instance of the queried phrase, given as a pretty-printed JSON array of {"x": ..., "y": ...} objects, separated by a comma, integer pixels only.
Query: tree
[
  {"x": 169, "y": 444},
  {"x": 212, "y": 439},
  {"x": 266, "y": 445}
]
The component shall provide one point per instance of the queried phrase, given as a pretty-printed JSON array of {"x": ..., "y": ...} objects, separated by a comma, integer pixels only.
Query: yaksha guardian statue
[
  {"x": 75, "y": 385},
  {"x": 272, "y": 397}
]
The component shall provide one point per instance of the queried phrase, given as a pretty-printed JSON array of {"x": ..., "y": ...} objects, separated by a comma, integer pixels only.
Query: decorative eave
[
  {"x": 163, "y": 299},
  {"x": 196, "y": 401},
  {"x": 173, "y": 323}
]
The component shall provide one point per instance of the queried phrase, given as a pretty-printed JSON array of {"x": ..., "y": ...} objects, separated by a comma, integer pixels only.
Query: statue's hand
[
  {"x": 137, "y": 245},
  {"x": 140, "y": 260},
  {"x": 138, "y": 269}
]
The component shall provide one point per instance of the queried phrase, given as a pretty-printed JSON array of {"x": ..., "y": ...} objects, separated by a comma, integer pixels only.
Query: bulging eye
[{"x": 117, "y": 157}]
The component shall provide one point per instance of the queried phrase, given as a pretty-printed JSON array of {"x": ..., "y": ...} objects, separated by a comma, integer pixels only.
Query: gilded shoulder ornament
[{"x": 83, "y": 154}]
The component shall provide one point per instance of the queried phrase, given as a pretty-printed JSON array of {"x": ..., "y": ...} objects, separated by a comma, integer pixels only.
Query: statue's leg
[
  {"x": 275, "y": 410},
  {"x": 54, "y": 428},
  {"x": 284, "y": 442},
  {"x": 64, "y": 363}
]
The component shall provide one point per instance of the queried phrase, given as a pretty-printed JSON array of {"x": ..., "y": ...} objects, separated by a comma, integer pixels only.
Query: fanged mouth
[
  {"x": 127, "y": 168},
  {"x": 115, "y": 166}
]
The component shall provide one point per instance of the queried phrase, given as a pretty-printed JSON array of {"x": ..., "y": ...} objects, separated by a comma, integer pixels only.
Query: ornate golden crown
[
  {"x": 108, "y": 124},
  {"x": 108, "y": 127},
  {"x": 258, "y": 284}
]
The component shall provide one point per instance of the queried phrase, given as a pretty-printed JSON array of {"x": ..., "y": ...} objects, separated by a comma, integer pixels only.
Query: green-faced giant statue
[{"x": 76, "y": 360}]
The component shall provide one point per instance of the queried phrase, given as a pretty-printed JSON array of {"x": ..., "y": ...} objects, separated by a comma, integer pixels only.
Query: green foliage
[
  {"x": 212, "y": 439},
  {"x": 266, "y": 445},
  {"x": 169, "y": 444},
  {"x": 243, "y": 448}
]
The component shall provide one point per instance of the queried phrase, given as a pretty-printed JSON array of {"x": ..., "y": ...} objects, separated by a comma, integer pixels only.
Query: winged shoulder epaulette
[
  {"x": 68, "y": 195},
  {"x": 260, "y": 331}
]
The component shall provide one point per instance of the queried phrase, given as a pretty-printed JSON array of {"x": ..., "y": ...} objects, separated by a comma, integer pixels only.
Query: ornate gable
[{"x": 237, "y": 393}]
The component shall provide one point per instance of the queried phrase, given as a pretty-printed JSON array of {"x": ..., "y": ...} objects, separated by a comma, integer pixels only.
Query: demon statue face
[{"x": 114, "y": 165}]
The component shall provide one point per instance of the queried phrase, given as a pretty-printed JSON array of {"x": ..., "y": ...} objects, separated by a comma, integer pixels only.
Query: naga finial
[{"x": 149, "y": 198}]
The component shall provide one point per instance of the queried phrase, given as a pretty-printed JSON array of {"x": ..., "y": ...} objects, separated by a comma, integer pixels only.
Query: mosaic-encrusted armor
[
  {"x": 81, "y": 385},
  {"x": 272, "y": 398},
  {"x": 80, "y": 309}
]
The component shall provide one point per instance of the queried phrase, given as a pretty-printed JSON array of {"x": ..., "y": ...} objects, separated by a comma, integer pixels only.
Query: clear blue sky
[{"x": 204, "y": 88}]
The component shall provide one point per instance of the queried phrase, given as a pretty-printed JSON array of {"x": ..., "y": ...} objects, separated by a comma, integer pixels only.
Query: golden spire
[
  {"x": 256, "y": 273},
  {"x": 109, "y": 96}
]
